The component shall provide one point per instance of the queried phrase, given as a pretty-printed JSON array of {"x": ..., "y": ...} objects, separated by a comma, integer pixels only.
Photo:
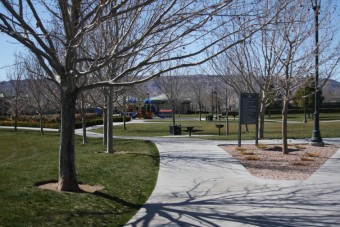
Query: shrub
[
  {"x": 52, "y": 125},
  {"x": 247, "y": 153},
  {"x": 309, "y": 154},
  {"x": 300, "y": 163},
  {"x": 262, "y": 146},
  {"x": 6, "y": 123},
  {"x": 4, "y": 118},
  {"x": 252, "y": 157},
  {"x": 92, "y": 116},
  {"x": 306, "y": 159},
  {"x": 89, "y": 122},
  {"x": 233, "y": 113},
  {"x": 20, "y": 124},
  {"x": 120, "y": 118},
  {"x": 301, "y": 111},
  {"x": 241, "y": 149},
  {"x": 55, "y": 118},
  {"x": 299, "y": 147},
  {"x": 53, "y": 121}
]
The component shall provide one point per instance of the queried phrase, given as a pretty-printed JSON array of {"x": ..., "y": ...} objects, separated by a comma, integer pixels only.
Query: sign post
[{"x": 248, "y": 113}]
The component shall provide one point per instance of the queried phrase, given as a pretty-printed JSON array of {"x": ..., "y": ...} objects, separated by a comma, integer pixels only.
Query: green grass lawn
[
  {"x": 297, "y": 129},
  {"x": 28, "y": 158},
  {"x": 300, "y": 117}
]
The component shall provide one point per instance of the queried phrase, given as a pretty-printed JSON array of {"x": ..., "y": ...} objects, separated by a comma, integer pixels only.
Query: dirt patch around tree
[
  {"x": 268, "y": 161},
  {"x": 86, "y": 188}
]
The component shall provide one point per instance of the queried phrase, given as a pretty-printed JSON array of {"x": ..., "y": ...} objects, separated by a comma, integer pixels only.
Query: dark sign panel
[{"x": 248, "y": 111}]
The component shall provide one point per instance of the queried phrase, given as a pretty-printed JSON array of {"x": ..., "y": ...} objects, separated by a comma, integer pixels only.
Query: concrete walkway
[{"x": 199, "y": 184}]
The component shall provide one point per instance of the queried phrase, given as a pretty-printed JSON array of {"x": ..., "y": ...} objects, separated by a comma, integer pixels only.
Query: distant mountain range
[{"x": 331, "y": 91}]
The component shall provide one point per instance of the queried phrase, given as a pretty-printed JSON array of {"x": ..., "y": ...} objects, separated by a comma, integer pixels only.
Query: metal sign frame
[{"x": 248, "y": 113}]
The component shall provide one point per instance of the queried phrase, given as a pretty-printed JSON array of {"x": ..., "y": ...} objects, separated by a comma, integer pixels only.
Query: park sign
[
  {"x": 248, "y": 113},
  {"x": 248, "y": 110}
]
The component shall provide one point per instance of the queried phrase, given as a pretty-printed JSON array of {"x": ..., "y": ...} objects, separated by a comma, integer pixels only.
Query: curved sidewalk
[{"x": 199, "y": 184}]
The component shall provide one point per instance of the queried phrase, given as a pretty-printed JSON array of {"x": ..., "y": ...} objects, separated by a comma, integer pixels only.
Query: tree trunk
[
  {"x": 83, "y": 122},
  {"x": 16, "y": 123},
  {"x": 105, "y": 127},
  {"x": 16, "y": 117},
  {"x": 124, "y": 113},
  {"x": 262, "y": 113},
  {"x": 109, "y": 146},
  {"x": 284, "y": 127},
  {"x": 105, "y": 120},
  {"x": 227, "y": 122},
  {"x": 200, "y": 111},
  {"x": 67, "y": 169},
  {"x": 41, "y": 122},
  {"x": 173, "y": 119}
]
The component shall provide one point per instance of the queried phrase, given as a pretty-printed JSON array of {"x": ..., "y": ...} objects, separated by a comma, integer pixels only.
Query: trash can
[
  {"x": 209, "y": 118},
  {"x": 177, "y": 128}
]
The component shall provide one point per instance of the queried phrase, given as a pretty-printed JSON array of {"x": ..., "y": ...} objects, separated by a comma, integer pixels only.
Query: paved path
[{"x": 199, "y": 184}]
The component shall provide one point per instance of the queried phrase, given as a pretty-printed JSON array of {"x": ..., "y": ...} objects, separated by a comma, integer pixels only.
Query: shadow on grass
[
  {"x": 117, "y": 200},
  {"x": 99, "y": 194}
]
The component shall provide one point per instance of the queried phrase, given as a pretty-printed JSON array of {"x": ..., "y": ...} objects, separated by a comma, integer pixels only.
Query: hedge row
[
  {"x": 35, "y": 124},
  {"x": 301, "y": 111},
  {"x": 29, "y": 124},
  {"x": 4, "y": 118},
  {"x": 53, "y": 118}
]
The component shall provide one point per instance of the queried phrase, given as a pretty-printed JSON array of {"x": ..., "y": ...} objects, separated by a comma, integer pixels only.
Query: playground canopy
[{"x": 147, "y": 101}]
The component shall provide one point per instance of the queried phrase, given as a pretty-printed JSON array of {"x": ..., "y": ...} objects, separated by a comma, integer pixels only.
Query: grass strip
[
  {"x": 208, "y": 129},
  {"x": 28, "y": 158}
]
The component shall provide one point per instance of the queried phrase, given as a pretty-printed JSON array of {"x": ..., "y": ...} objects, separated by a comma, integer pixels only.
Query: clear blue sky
[{"x": 8, "y": 47}]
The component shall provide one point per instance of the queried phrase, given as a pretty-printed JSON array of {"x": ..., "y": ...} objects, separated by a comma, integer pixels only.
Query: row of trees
[
  {"x": 27, "y": 93},
  {"x": 204, "y": 92},
  {"x": 32, "y": 95},
  {"x": 80, "y": 45},
  {"x": 279, "y": 60}
]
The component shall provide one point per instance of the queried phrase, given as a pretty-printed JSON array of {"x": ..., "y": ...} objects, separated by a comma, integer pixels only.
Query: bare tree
[
  {"x": 196, "y": 88},
  {"x": 37, "y": 87},
  {"x": 98, "y": 98},
  {"x": 252, "y": 66},
  {"x": 163, "y": 31},
  {"x": 295, "y": 53},
  {"x": 82, "y": 104},
  {"x": 284, "y": 47},
  {"x": 172, "y": 87},
  {"x": 18, "y": 94}
]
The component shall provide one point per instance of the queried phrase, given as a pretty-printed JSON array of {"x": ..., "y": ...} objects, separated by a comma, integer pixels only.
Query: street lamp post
[{"x": 316, "y": 139}]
